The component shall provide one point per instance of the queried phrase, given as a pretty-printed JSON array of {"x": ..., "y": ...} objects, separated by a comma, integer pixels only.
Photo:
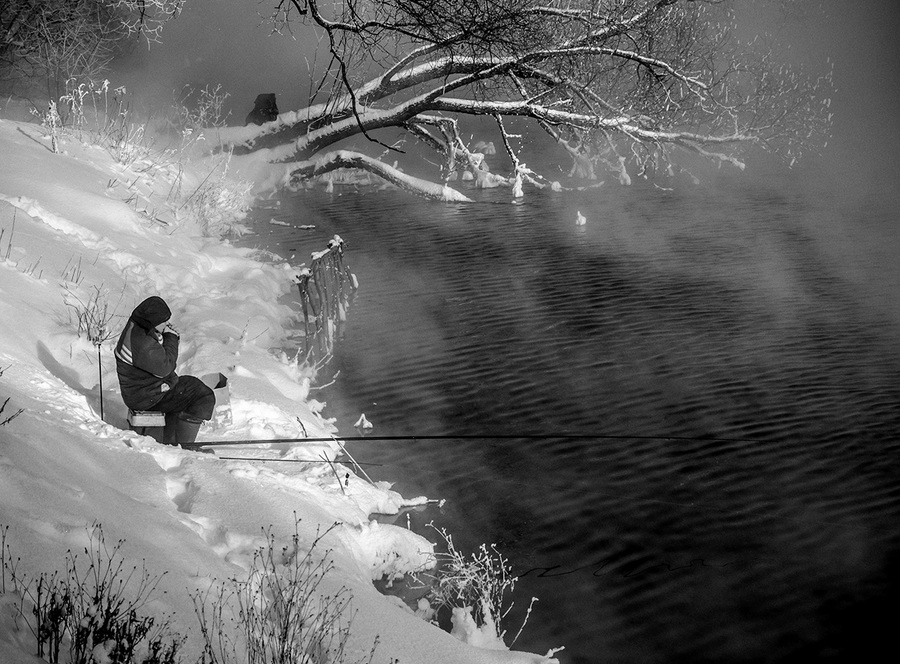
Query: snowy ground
[{"x": 78, "y": 224}]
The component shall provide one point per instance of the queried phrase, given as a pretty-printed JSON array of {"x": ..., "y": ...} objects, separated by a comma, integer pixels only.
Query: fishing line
[
  {"x": 703, "y": 506},
  {"x": 493, "y": 480},
  {"x": 700, "y": 506}
]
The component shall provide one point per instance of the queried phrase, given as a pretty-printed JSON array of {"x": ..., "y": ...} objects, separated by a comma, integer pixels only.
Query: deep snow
[{"x": 77, "y": 224}]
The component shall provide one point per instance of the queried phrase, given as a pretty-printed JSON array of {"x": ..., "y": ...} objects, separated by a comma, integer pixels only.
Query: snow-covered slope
[{"x": 77, "y": 226}]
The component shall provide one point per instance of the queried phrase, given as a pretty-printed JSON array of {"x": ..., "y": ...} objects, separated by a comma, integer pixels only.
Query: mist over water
[{"x": 733, "y": 348}]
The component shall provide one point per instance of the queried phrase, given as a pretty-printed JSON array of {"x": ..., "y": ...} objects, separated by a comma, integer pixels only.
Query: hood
[
  {"x": 265, "y": 100},
  {"x": 151, "y": 312}
]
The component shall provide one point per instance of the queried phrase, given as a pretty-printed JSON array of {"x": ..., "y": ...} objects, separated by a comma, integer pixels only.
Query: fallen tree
[{"x": 622, "y": 86}]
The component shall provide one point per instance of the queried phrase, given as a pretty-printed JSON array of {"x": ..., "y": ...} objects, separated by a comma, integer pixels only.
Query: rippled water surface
[{"x": 735, "y": 352}]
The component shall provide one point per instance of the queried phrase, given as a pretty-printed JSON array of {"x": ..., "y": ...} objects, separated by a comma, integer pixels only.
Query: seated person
[{"x": 146, "y": 354}]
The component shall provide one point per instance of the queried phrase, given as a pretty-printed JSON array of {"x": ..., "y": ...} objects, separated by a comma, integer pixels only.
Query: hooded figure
[
  {"x": 264, "y": 109},
  {"x": 145, "y": 363}
]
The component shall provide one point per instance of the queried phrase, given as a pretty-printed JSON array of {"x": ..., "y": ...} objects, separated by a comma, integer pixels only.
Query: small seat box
[
  {"x": 139, "y": 419},
  {"x": 148, "y": 423}
]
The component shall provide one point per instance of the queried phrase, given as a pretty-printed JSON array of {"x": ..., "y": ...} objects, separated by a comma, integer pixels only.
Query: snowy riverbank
[{"x": 80, "y": 228}]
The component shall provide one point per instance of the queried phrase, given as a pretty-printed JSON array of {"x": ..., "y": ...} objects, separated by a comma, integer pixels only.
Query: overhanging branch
[{"x": 348, "y": 159}]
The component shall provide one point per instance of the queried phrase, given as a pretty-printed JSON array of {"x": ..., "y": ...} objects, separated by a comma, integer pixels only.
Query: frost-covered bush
[
  {"x": 199, "y": 109},
  {"x": 218, "y": 203},
  {"x": 93, "y": 313},
  {"x": 476, "y": 590},
  {"x": 280, "y": 614}
]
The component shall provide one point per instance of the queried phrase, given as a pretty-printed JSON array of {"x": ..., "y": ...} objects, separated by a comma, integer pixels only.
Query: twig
[{"x": 334, "y": 470}]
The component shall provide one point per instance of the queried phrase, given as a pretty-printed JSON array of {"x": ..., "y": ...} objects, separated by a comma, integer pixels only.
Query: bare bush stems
[
  {"x": 481, "y": 581},
  {"x": 193, "y": 111},
  {"x": 32, "y": 268},
  {"x": 4, "y": 422},
  {"x": 326, "y": 289},
  {"x": 127, "y": 147},
  {"x": 104, "y": 615},
  {"x": 52, "y": 604},
  {"x": 218, "y": 201},
  {"x": 7, "y": 564},
  {"x": 51, "y": 121},
  {"x": 72, "y": 272},
  {"x": 281, "y": 614},
  {"x": 112, "y": 127},
  {"x": 74, "y": 103},
  {"x": 94, "y": 314},
  {"x": 198, "y": 109},
  {"x": 126, "y": 141},
  {"x": 92, "y": 611},
  {"x": 10, "y": 418},
  {"x": 100, "y": 115},
  {"x": 12, "y": 232}
]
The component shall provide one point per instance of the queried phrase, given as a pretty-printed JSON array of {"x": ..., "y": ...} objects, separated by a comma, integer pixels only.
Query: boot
[
  {"x": 180, "y": 428},
  {"x": 186, "y": 428},
  {"x": 169, "y": 437}
]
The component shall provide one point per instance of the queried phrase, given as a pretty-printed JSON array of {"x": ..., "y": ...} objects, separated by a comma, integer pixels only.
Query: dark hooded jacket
[{"x": 145, "y": 359}]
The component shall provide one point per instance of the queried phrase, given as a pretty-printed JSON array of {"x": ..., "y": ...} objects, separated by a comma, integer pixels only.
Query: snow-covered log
[{"x": 337, "y": 159}]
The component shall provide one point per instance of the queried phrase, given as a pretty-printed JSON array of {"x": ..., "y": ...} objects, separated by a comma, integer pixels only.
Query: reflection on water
[{"x": 735, "y": 353}]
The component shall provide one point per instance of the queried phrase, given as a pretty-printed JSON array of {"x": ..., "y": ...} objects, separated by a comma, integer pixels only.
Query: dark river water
[{"x": 730, "y": 355}]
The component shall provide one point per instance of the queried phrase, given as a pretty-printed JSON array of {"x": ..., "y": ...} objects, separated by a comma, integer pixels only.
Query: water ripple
[{"x": 740, "y": 502}]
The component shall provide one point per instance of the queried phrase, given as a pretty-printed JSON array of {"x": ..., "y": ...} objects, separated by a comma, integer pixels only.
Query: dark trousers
[{"x": 190, "y": 396}]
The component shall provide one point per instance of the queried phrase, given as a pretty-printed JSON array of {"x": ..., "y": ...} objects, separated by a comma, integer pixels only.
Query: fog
[
  {"x": 860, "y": 37},
  {"x": 227, "y": 43}
]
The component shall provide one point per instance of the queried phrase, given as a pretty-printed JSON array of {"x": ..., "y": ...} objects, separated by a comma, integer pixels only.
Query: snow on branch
[
  {"x": 636, "y": 81},
  {"x": 628, "y": 55},
  {"x": 337, "y": 159}
]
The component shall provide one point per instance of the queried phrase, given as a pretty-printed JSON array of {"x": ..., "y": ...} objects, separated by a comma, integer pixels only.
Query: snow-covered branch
[
  {"x": 337, "y": 159},
  {"x": 623, "y": 124},
  {"x": 624, "y": 82}
]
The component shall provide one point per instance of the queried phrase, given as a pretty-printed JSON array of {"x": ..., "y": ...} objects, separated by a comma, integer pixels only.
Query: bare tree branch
[{"x": 615, "y": 82}]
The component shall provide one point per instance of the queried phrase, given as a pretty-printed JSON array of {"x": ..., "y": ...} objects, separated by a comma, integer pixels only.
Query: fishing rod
[
  {"x": 331, "y": 439},
  {"x": 280, "y": 460},
  {"x": 501, "y": 436}
]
